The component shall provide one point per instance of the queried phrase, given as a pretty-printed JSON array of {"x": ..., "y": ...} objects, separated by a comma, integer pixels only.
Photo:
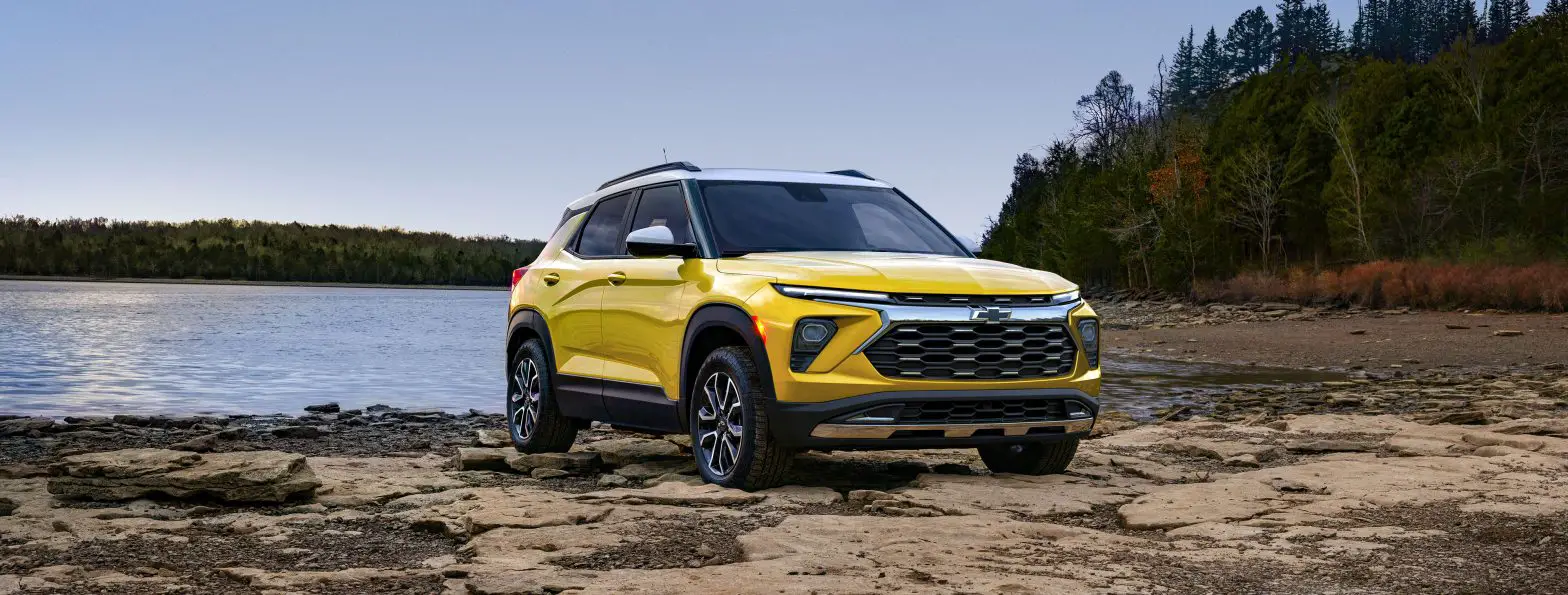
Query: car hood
[{"x": 896, "y": 272}]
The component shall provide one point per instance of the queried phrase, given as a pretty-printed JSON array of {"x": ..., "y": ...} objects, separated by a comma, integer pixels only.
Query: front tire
[
  {"x": 532, "y": 417},
  {"x": 729, "y": 424},
  {"x": 1034, "y": 458}
]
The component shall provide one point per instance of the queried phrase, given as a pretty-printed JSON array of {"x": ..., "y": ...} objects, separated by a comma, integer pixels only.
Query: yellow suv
[{"x": 766, "y": 312}]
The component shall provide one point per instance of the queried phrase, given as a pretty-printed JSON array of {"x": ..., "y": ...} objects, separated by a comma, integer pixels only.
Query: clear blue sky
[{"x": 486, "y": 117}]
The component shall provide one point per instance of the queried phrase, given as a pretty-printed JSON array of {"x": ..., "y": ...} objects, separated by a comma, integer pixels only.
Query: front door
[{"x": 644, "y": 318}]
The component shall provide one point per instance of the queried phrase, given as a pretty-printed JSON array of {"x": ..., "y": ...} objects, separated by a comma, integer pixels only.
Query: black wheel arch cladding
[{"x": 730, "y": 318}]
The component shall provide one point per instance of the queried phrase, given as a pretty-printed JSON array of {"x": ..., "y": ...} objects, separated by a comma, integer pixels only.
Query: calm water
[{"x": 105, "y": 348}]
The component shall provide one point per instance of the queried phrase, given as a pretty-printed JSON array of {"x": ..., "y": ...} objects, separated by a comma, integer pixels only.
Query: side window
[
  {"x": 664, "y": 205},
  {"x": 602, "y": 233}
]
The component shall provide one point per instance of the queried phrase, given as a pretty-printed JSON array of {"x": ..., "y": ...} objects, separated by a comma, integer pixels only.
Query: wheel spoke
[
  {"x": 719, "y": 424},
  {"x": 526, "y": 401}
]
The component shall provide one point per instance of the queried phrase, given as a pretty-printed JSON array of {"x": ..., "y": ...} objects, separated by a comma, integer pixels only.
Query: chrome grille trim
[{"x": 893, "y": 314}]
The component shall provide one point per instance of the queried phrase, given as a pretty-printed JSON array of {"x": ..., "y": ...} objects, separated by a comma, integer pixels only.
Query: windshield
[{"x": 789, "y": 217}]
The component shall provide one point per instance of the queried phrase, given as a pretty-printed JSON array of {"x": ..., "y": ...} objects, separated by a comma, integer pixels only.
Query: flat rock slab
[
  {"x": 1190, "y": 504},
  {"x": 673, "y": 493},
  {"x": 350, "y": 481},
  {"x": 257, "y": 476},
  {"x": 652, "y": 469},
  {"x": 483, "y": 459},
  {"x": 1217, "y": 450},
  {"x": 564, "y": 461},
  {"x": 618, "y": 452}
]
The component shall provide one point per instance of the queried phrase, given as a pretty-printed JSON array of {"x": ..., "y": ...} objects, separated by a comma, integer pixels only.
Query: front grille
[
  {"x": 980, "y": 412},
  {"x": 933, "y": 299},
  {"x": 974, "y": 351}
]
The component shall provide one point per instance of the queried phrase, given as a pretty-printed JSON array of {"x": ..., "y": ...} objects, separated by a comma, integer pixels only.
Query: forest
[
  {"x": 1286, "y": 147},
  {"x": 255, "y": 251}
]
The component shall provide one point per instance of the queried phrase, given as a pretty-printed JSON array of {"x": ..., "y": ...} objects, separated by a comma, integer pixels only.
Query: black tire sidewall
[{"x": 724, "y": 361}]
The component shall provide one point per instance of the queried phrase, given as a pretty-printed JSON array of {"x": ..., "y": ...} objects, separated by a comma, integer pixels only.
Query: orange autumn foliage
[
  {"x": 1182, "y": 175},
  {"x": 1389, "y": 284}
]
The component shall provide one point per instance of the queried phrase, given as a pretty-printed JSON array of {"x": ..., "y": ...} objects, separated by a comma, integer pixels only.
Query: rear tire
[
  {"x": 532, "y": 417},
  {"x": 729, "y": 424},
  {"x": 1034, "y": 458}
]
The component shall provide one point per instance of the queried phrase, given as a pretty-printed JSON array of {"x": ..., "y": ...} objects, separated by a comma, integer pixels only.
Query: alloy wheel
[
  {"x": 720, "y": 424},
  {"x": 525, "y": 399}
]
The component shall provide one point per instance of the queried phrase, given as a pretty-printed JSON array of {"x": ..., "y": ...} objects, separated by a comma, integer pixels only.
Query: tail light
[{"x": 517, "y": 276}]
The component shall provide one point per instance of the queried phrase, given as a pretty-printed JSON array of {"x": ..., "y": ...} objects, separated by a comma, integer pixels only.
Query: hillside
[{"x": 1427, "y": 132}]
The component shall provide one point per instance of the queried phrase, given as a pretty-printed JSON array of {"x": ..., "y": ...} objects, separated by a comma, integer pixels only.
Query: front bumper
[{"x": 833, "y": 424}]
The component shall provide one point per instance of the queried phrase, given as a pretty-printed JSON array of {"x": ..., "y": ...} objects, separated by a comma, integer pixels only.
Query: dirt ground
[
  {"x": 1447, "y": 474},
  {"x": 1411, "y": 341}
]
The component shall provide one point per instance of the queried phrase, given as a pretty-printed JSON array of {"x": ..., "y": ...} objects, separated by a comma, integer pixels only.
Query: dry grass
[{"x": 1389, "y": 284}]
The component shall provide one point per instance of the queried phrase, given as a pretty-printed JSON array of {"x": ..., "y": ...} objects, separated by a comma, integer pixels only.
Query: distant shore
[{"x": 244, "y": 282}]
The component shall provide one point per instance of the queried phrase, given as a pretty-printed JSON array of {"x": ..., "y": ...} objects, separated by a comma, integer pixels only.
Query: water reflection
[{"x": 98, "y": 348}]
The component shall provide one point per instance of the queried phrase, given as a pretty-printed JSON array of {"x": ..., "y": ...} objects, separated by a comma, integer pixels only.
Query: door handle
[
  {"x": 551, "y": 278},
  {"x": 617, "y": 278}
]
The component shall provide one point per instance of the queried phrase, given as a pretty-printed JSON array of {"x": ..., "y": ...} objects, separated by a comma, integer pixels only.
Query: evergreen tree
[
  {"x": 1556, "y": 8},
  {"x": 1213, "y": 69},
  {"x": 1249, "y": 44},
  {"x": 1290, "y": 22},
  {"x": 1503, "y": 17},
  {"x": 1326, "y": 34},
  {"x": 1461, "y": 20},
  {"x": 1183, "y": 85},
  {"x": 1370, "y": 34},
  {"x": 1306, "y": 30}
]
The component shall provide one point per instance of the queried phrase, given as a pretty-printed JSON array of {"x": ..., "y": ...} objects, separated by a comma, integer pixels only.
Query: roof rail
[
  {"x": 854, "y": 173},
  {"x": 651, "y": 170}
]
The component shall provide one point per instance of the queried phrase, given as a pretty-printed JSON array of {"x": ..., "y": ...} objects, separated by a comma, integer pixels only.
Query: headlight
[
  {"x": 811, "y": 335},
  {"x": 819, "y": 293},
  {"x": 1089, "y": 330},
  {"x": 1065, "y": 298}
]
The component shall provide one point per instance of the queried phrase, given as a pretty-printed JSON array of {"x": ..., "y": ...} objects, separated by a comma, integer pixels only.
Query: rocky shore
[{"x": 1425, "y": 478}]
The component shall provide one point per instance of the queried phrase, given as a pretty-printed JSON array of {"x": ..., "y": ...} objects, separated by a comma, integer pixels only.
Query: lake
[{"x": 75, "y": 348}]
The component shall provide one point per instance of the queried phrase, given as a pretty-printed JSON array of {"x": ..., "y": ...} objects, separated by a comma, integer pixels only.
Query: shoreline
[{"x": 161, "y": 281}]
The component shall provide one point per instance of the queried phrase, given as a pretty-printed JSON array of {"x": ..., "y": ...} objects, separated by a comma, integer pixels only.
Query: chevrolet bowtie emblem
[{"x": 990, "y": 314}]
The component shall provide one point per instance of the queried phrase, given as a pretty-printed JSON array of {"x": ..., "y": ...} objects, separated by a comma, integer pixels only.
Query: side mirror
[
  {"x": 657, "y": 241},
  {"x": 969, "y": 244}
]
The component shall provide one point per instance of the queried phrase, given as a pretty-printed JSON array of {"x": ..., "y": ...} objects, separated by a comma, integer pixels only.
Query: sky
[{"x": 488, "y": 117}]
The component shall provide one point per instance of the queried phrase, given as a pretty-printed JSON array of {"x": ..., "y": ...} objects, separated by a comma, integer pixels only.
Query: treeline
[
  {"x": 1430, "y": 130},
  {"x": 255, "y": 251}
]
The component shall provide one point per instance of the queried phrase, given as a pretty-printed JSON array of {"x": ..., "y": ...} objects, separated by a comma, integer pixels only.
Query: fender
[
  {"x": 725, "y": 316},
  {"x": 531, "y": 320},
  {"x": 578, "y": 397}
]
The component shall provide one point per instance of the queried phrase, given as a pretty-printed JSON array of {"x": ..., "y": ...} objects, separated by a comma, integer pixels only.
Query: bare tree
[
  {"x": 1435, "y": 190},
  {"x": 1465, "y": 68},
  {"x": 1259, "y": 177},
  {"x": 1330, "y": 115},
  {"x": 1544, "y": 136},
  {"x": 1106, "y": 116}
]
